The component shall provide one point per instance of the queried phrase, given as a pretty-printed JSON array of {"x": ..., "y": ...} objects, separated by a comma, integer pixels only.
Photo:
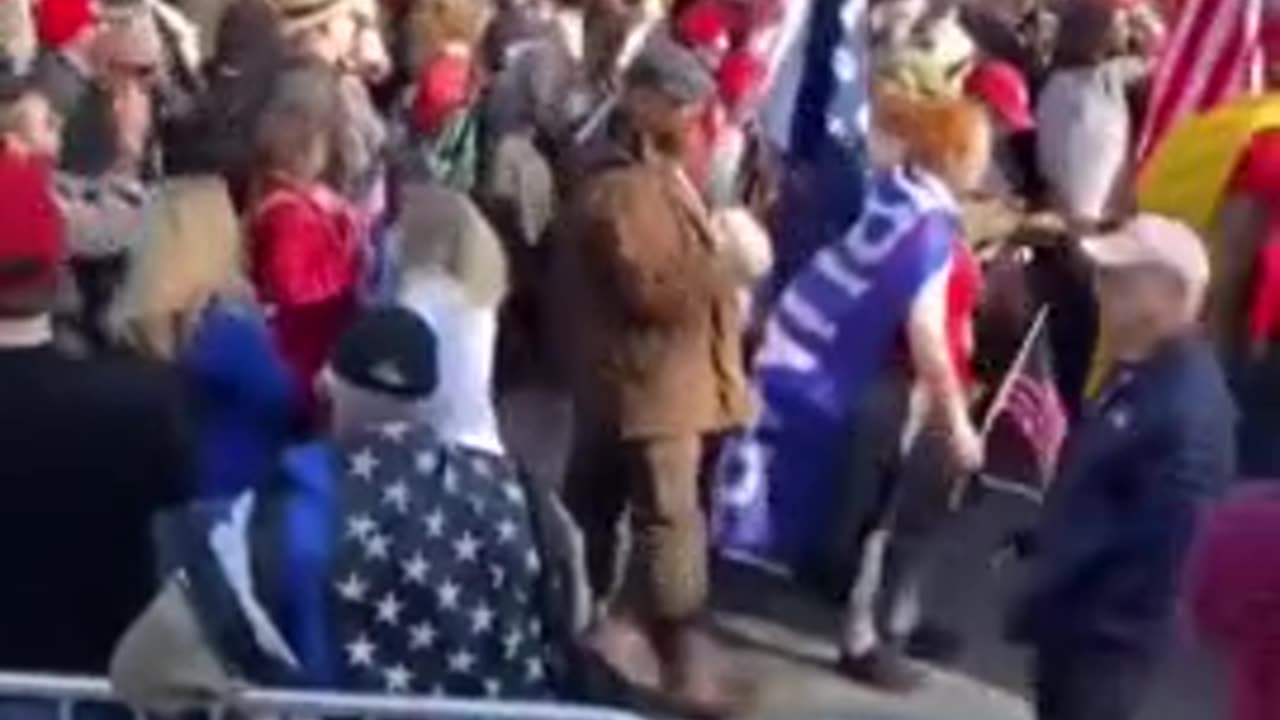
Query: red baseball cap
[
  {"x": 1003, "y": 89},
  {"x": 31, "y": 241},
  {"x": 739, "y": 76},
  {"x": 58, "y": 22},
  {"x": 705, "y": 24}
]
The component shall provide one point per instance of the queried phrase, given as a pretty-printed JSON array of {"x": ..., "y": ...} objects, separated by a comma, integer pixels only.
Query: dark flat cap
[{"x": 672, "y": 69}]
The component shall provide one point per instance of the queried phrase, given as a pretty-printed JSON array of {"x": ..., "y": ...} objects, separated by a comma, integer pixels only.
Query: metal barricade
[{"x": 64, "y": 693}]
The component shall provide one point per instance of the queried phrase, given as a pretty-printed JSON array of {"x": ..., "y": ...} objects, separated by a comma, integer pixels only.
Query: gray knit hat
[{"x": 671, "y": 69}]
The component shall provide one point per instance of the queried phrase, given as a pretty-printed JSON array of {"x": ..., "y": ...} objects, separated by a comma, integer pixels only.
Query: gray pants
[{"x": 895, "y": 503}]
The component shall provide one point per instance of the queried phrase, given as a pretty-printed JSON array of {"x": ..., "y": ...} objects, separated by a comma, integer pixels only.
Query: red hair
[{"x": 939, "y": 134}]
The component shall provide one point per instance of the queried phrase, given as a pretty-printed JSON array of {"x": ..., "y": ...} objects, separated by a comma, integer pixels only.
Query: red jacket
[
  {"x": 306, "y": 260},
  {"x": 1258, "y": 176},
  {"x": 964, "y": 292}
]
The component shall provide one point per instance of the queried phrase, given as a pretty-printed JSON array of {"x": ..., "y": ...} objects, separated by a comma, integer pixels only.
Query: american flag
[
  {"x": 817, "y": 81},
  {"x": 434, "y": 586},
  {"x": 1027, "y": 424},
  {"x": 1212, "y": 56}
]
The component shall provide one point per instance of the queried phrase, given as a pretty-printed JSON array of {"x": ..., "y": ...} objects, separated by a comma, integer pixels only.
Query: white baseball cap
[{"x": 1153, "y": 240}]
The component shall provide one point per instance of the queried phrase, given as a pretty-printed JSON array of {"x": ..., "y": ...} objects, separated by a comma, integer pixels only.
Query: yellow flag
[{"x": 1186, "y": 178}]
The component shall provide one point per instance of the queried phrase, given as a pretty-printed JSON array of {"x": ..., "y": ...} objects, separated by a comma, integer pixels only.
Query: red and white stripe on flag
[
  {"x": 1036, "y": 408},
  {"x": 1212, "y": 56}
]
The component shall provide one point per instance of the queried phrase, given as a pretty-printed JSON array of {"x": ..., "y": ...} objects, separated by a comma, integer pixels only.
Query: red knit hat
[
  {"x": 444, "y": 87},
  {"x": 58, "y": 22},
  {"x": 31, "y": 247}
]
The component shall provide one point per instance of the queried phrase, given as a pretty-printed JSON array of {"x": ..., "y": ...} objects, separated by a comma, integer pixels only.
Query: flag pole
[{"x": 1002, "y": 396}]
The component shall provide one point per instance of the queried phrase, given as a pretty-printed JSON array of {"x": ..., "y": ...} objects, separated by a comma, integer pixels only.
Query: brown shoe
[{"x": 881, "y": 669}]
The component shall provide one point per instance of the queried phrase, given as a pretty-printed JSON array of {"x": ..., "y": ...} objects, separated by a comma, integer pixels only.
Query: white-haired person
[{"x": 1153, "y": 449}]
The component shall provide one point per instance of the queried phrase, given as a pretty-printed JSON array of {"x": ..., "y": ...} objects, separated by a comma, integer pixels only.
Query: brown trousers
[{"x": 654, "y": 481}]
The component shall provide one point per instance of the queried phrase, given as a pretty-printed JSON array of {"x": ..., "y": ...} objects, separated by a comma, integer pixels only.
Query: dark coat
[
  {"x": 1147, "y": 456},
  {"x": 88, "y": 451}
]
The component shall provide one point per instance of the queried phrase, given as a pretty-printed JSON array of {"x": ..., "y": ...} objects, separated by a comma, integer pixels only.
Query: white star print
[
  {"x": 389, "y": 608},
  {"x": 397, "y": 496},
  {"x": 377, "y": 547},
  {"x": 477, "y": 505},
  {"x": 397, "y": 678},
  {"x": 353, "y": 589},
  {"x": 506, "y": 531},
  {"x": 395, "y": 431},
  {"x": 363, "y": 464},
  {"x": 422, "y": 636},
  {"x": 466, "y": 548},
  {"x": 447, "y": 595},
  {"x": 426, "y": 462},
  {"x": 531, "y": 561},
  {"x": 481, "y": 619},
  {"x": 360, "y": 652},
  {"x": 450, "y": 480},
  {"x": 415, "y": 569},
  {"x": 435, "y": 524},
  {"x": 492, "y": 688},
  {"x": 461, "y": 662},
  {"x": 534, "y": 671},
  {"x": 514, "y": 494},
  {"x": 360, "y": 527},
  {"x": 498, "y": 575},
  {"x": 511, "y": 643}
]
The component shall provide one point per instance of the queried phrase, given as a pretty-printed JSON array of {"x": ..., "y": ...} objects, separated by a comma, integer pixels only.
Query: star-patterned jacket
[
  {"x": 387, "y": 562},
  {"x": 435, "y": 576}
]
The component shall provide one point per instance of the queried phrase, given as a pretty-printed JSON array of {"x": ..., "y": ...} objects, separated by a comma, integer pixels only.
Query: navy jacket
[{"x": 1146, "y": 457}]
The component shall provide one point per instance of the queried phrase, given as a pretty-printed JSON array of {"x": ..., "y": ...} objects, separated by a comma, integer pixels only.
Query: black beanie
[{"x": 390, "y": 351}]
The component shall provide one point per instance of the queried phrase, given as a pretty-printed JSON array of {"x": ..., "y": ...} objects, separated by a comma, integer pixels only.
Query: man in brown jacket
[{"x": 653, "y": 333}]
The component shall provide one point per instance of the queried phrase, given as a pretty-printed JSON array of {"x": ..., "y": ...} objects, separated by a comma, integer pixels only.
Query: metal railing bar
[{"x": 67, "y": 690}]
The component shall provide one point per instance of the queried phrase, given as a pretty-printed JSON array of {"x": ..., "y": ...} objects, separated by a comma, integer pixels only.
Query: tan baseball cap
[{"x": 1153, "y": 240}]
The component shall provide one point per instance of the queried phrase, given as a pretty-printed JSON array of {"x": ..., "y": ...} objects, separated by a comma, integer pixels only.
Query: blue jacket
[
  {"x": 241, "y": 396},
  {"x": 1154, "y": 448}
]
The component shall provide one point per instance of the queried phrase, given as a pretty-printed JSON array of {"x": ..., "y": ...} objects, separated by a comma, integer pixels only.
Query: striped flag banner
[
  {"x": 1026, "y": 425},
  {"x": 1212, "y": 56},
  {"x": 815, "y": 54}
]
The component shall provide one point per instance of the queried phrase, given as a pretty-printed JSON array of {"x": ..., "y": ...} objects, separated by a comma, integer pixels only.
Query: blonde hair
[
  {"x": 938, "y": 134},
  {"x": 434, "y": 24},
  {"x": 192, "y": 255},
  {"x": 441, "y": 229}
]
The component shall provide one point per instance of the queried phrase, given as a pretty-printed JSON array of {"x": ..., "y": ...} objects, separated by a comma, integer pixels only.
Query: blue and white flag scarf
[{"x": 830, "y": 336}]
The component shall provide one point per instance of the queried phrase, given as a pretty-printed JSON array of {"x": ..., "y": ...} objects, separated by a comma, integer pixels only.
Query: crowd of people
[{"x": 271, "y": 270}]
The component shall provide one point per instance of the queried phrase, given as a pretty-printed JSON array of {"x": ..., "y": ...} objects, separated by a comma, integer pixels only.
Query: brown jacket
[{"x": 647, "y": 311}]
